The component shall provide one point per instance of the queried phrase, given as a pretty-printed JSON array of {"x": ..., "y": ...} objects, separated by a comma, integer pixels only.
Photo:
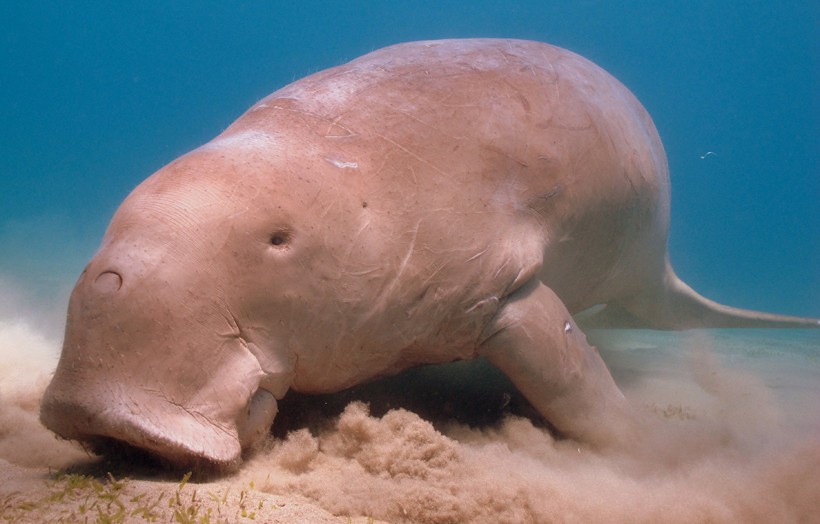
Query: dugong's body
[{"x": 427, "y": 202}]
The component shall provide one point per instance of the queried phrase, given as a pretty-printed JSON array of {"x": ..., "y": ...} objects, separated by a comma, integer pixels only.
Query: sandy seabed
[{"x": 733, "y": 436}]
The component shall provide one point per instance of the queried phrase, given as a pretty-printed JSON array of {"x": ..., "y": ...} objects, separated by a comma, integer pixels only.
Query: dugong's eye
[{"x": 280, "y": 238}]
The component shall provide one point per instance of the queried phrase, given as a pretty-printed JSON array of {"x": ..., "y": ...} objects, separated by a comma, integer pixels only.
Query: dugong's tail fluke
[{"x": 672, "y": 305}]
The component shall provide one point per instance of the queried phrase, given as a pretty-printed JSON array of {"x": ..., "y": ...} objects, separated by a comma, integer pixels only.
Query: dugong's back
[{"x": 497, "y": 138}]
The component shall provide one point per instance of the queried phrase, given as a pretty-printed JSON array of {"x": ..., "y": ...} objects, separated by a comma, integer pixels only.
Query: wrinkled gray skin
[{"x": 427, "y": 202}]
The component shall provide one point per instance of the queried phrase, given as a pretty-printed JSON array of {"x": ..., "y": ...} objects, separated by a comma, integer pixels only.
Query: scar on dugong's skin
[{"x": 427, "y": 202}]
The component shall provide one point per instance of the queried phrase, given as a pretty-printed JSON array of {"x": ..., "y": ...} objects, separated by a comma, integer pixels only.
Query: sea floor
[{"x": 734, "y": 437}]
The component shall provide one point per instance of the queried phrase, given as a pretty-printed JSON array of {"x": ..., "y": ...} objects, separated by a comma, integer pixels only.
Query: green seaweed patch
[{"x": 84, "y": 498}]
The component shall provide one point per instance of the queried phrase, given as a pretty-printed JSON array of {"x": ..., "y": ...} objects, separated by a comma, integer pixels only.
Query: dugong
[{"x": 425, "y": 203}]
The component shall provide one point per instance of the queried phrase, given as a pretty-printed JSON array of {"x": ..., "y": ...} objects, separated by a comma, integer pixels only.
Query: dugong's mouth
[
  {"x": 202, "y": 447},
  {"x": 181, "y": 438}
]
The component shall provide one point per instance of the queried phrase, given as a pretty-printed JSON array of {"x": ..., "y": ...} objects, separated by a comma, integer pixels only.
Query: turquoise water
[{"x": 97, "y": 95}]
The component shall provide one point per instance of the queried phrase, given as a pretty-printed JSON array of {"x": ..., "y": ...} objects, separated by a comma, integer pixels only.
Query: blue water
[{"x": 94, "y": 96}]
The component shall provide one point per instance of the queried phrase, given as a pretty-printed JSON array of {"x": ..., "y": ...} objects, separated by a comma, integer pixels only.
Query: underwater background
[{"x": 95, "y": 96}]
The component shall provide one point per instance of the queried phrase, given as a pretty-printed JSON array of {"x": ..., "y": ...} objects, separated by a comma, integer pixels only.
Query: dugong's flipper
[{"x": 535, "y": 342}]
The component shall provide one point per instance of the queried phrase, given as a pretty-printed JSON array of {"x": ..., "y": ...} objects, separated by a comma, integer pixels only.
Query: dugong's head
[{"x": 183, "y": 329}]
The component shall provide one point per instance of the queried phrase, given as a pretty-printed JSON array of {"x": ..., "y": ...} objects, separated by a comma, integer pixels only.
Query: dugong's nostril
[{"x": 108, "y": 282}]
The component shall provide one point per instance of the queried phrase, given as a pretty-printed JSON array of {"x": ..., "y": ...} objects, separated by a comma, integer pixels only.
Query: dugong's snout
[
  {"x": 177, "y": 436},
  {"x": 139, "y": 370},
  {"x": 180, "y": 437}
]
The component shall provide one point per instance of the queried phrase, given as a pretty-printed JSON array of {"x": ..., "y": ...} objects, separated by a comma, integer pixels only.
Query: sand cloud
[{"x": 711, "y": 463}]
